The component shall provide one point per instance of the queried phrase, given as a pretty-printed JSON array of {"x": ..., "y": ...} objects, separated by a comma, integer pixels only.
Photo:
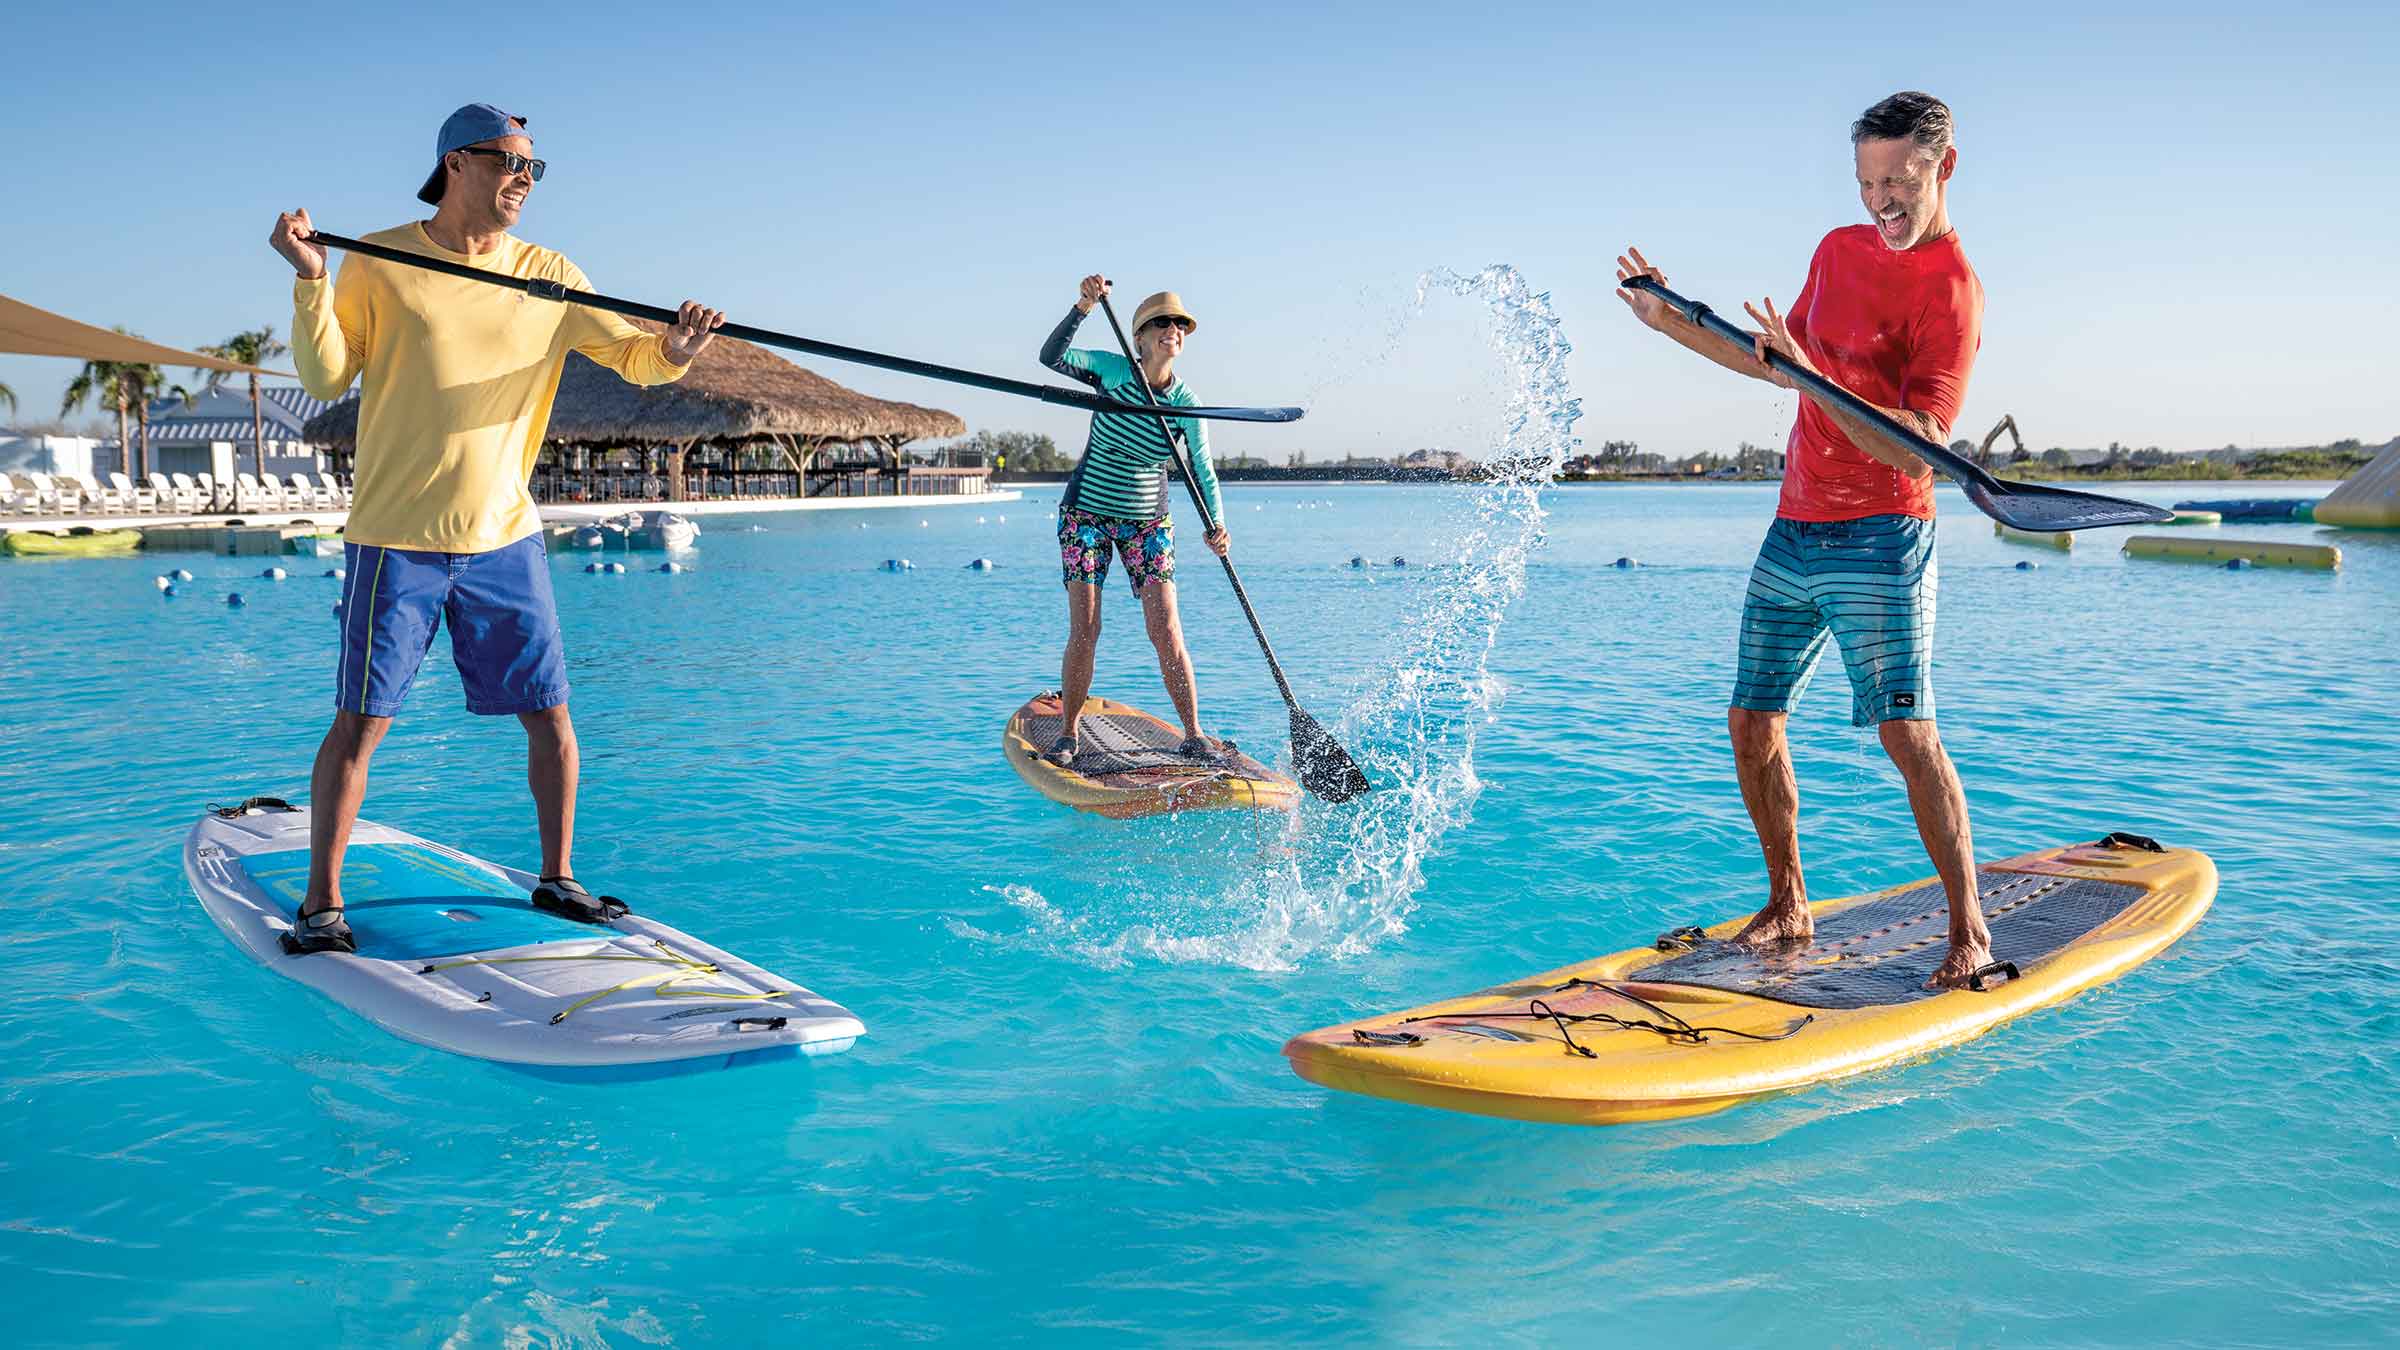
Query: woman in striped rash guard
[{"x": 1117, "y": 500}]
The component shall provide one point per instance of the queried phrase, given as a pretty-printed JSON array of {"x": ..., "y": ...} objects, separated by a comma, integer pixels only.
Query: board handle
[{"x": 1977, "y": 980}]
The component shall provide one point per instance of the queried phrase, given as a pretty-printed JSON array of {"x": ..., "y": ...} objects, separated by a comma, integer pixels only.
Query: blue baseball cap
[{"x": 470, "y": 125}]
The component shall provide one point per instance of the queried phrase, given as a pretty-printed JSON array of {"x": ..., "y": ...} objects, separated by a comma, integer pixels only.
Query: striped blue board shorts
[
  {"x": 1868, "y": 584},
  {"x": 503, "y": 626}
]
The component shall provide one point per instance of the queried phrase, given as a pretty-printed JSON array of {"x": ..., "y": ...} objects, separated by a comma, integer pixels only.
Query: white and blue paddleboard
[{"x": 452, "y": 954}]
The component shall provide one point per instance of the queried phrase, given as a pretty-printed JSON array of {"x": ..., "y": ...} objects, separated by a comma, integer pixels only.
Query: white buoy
[
  {"x": 923, "y": 523},
  {"x": 181, "y": 575},
  {"x": 617, "y": 568},
  {"x": 980, "y": 520},
  {"x": 164, "y": 582},
  {"x": 591, "y": 567},
  {"x": 670, "y": 567},
  {"x": 981, "y": 565},
  {"x": 234, "y": 601},
  {"x": 274, "y": 574},
  {"x": 338, "y": 573},
  {"x": 1004, "y": 520}
]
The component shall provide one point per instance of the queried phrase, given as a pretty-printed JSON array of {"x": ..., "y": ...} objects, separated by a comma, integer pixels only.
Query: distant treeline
[{"x": 2339, "y": 460}]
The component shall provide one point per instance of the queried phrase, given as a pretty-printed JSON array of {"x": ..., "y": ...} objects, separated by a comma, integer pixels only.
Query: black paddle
[
  {"x": 2024, "y": 506},
  {"x": 1325, "y": 768},
  {"x": 767, "y": 337}
]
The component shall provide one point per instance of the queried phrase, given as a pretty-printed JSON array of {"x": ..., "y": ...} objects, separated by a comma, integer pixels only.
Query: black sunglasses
[
  {"x": 511, "y": 161},
  {"x": 1182, "y": 323}
]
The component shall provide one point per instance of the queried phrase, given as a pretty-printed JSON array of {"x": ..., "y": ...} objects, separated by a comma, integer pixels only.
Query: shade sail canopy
[{"x": 27, "y": 331}]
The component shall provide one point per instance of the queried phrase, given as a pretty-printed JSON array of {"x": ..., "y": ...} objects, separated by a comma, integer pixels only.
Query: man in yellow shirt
[{"x": 458, "y": 381}]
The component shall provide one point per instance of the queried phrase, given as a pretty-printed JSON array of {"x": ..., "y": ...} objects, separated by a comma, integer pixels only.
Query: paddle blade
[
  {"x": 2034, "y": 506},
  {"x": 1325, "y": 768}
]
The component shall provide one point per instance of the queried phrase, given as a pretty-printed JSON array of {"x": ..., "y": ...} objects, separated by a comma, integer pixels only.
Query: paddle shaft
[
  {"x": 1208, "y": 519},
  {"x": 767, "y": 337},
  {"x": 1932, "y": 452}
]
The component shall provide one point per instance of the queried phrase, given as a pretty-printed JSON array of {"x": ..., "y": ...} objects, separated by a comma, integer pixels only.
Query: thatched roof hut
[{"x": 736, "y": 393}]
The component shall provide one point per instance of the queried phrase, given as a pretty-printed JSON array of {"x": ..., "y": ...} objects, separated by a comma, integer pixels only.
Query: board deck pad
[
  {"x": 1882, "y": 951},
  {"x": 410, "y": 902},
  {"x": 1108, "y": 743}
]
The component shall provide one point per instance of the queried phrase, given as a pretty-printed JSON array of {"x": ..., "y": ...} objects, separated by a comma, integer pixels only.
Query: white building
[{"x": 212, "y": 433}]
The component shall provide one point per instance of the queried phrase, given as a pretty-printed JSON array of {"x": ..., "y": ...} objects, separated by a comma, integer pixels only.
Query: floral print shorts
[{"x": 1148, "y": 547}]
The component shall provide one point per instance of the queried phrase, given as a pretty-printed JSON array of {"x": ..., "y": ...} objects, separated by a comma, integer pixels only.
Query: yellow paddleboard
[
  {"x": 1696, "y": 1024},
  {"x": 1128, "y": 763}
]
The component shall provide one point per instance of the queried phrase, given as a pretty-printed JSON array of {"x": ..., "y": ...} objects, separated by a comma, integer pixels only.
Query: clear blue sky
[{"x": 2184, "y": 215}]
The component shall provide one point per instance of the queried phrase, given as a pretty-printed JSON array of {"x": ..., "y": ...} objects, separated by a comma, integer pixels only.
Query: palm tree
[
  {"x": 149, "y": 382},
  {"x": 9, "y": 397},
  {"x": 252, "y": 348},
  {"x": 104, "y": 383}
]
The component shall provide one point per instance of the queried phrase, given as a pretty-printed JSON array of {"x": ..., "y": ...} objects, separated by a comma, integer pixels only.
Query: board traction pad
[
  {"x": 1107, "y": 743},
  {"x": 1881, "y": 952}
]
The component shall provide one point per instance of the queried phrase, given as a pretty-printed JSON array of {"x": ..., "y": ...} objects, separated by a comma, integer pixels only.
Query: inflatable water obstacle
[
  {"x": 2259, "y": 509},
  {"x": 2038, "y": 538},
  {"x": 2259, "y": 552},
  {"x": 80, "y": 541},
  {"x": 1695, "y": 1023},
  {"x": 2368, "y": 499}
]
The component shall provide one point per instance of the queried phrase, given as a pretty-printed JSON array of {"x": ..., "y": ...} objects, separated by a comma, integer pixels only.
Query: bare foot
[
  {"x": 1778, "y": 925},
  {"x": 1964, "y": 960}
]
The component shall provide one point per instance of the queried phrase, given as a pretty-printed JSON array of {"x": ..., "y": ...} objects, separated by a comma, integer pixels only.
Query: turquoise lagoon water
[{"x": 1070, "y": 1121}]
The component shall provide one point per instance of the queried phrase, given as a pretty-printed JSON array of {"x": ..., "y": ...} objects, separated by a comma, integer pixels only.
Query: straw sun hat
[{"x": 1164, "y": 305}]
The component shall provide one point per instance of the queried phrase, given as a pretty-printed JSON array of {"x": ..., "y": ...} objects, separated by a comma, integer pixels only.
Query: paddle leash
[{"x": 1324, "y": 767}]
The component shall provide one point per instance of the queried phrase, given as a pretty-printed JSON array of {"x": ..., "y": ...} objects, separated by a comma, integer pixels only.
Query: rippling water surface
[{"x": 1070, "y": 1120}]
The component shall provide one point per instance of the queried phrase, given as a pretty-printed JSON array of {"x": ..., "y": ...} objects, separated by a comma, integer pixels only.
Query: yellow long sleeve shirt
[{"x": 459, "y": 379}]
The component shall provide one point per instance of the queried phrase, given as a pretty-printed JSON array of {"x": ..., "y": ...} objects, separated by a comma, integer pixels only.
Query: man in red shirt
[{"x": 1891, "y": 312}]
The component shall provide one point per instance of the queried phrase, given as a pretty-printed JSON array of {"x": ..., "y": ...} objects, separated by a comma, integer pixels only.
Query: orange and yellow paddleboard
[
  {"x": 1130, "y": 763},
  {"x": 1696, "y": 1024}
]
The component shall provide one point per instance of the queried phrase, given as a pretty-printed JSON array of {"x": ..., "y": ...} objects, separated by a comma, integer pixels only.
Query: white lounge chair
[
  {"x": 295, "y": 494},
  {"x": 12, "y": 497},
  {"x": 189, "y": 496},
  {"x": 130, "y": 496},
  {"x": 52, "y": 499},
  {"x": 163, "y": 495},
  {"x": 249, "y": 496},
  {"x": 212, "y": 493},
  {"x": 94, "y": 496},
  {"x": 335, "y": 493}
]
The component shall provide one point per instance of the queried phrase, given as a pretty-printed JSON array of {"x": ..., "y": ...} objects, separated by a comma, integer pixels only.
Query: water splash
[{"x": 1349, "y": 877}]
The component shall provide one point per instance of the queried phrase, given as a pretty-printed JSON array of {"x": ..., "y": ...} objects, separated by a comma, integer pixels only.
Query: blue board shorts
[
  {"x": 503, "y": 626},
  {"x": 1867, "y": 583}
]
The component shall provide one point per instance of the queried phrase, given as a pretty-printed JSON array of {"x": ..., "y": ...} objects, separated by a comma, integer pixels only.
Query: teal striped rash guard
[{"x": 1123, "y": 470}]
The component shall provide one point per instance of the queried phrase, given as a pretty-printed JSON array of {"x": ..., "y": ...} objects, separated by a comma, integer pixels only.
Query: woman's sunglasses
[
  {"x": 1184, "y": 324},
  {"x": 511, "y": 161}
]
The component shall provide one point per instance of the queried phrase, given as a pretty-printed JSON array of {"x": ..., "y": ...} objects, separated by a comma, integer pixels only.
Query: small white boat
[{"x": 661, "y": 530}]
